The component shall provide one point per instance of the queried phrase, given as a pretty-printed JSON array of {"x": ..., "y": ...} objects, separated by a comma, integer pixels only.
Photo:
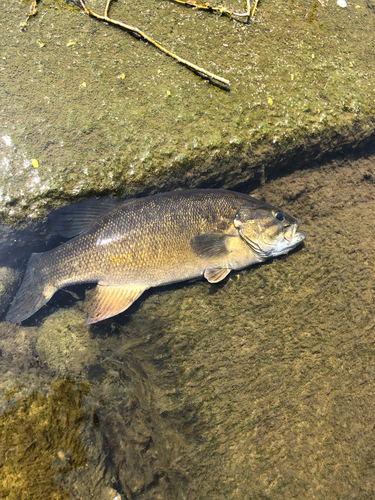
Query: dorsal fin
[{"x": 74, "y": 219}]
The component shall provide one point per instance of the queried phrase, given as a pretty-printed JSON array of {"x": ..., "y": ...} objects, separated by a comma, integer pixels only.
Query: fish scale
[{"x": 145, "y": 242}]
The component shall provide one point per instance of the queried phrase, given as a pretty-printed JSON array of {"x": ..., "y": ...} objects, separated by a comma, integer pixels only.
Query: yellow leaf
[
  {"x": 312, "y": 56},
  {"x": 169, "y": 93},
  {"x": 159, "y": 71},
  {"x": 35, "y": 163},
  {"x": 70, "y": 43},
  {"x": 357, "y": 6},
  {"x": 270, "y": 100},
  {"x": 292, "y": 77},
  {"x": 41, "y": 44},
  {"x": 122, "y": 76},
  {"x": 84, "y": 84}
]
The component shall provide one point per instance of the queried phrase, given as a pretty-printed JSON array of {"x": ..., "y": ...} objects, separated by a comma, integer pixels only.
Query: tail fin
[{"x": 32, "y": 294}]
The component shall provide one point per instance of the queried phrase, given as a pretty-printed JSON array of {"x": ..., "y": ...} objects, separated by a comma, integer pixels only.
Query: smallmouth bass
[{"x": 129, "y": 246}]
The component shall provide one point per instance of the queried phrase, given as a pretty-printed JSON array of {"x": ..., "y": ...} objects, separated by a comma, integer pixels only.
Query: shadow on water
[{"x": 259, "y": 387}]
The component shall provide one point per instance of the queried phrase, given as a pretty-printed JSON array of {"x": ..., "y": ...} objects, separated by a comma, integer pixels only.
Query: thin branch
[
  {"x": 143, "y": 35},
  {"x": 32, "y": 12},
  {"x": 248, "y": 10},
  {"x": 106, "y": 7},
  {"x": 220, "y": 9},
  {"x": 255, "y": 7}
]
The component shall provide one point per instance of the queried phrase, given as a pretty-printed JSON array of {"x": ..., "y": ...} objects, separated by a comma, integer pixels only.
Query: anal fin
[
  {"x": 216, "y": 275},
  {"x": 113, "y": 299}
]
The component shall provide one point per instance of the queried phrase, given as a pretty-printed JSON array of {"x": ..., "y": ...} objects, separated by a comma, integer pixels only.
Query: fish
[{"x": 129, "y": 246}]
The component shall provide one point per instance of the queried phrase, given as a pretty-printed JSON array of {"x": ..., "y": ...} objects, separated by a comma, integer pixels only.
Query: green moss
[
  {"x": 13, "y": 392},
  {"x": 86, "y": 139},
  {"x": 39, "y": 438}
]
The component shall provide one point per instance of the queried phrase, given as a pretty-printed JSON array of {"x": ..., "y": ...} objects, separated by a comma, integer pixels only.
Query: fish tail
[{"x": 33, "y": 292}]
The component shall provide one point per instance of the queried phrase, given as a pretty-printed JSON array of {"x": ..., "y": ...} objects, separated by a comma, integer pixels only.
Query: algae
[
  {"x": 260, "y": 387},
  {"x": 39, "y": 438},
  {"x": 127, "y": 136}
]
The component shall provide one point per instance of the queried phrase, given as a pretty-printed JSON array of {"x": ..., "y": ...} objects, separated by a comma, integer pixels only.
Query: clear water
[{"x": 259, "y": 387}]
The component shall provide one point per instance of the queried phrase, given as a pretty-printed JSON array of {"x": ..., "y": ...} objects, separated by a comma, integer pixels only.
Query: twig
[
  {"x": 133, "y": 29},
  {"x": 206, "y": 6},
  {"x": 32, "y": 12},
  {"x": 220, "y": 9},
  {"x": 254, "y": 8},
  {"x": 248, "y": 10}
]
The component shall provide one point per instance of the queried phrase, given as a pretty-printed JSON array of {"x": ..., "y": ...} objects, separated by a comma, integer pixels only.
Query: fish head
[{"x": 268, "y": 231}]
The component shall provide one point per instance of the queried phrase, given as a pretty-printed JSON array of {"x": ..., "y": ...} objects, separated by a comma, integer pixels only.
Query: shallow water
[{"x": 259, "y": 387}]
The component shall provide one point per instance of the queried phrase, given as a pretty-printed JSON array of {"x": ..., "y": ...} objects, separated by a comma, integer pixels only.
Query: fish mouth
[
  {"x": 292, "y": 238},
  {"x": 290, "y": 232}
]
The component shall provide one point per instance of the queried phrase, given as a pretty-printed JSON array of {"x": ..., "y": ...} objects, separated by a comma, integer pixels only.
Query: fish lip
[
  {"x": 289, "y": 245},
  {"x": 294, "y": 228},
  {"x": 298, "y": 237}
]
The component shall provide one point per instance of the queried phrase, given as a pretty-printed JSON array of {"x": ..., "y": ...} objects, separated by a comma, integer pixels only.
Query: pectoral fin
[
  {"x": 111, "y": 300},
  {"x": 210, "y": 245},
  {"x": 216, "y": 275}
]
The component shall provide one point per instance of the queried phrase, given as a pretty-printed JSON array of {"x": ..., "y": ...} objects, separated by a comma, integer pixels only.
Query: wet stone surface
[
  {"x": 88, "y": 109},
  {"x": 259, "y": 387}
]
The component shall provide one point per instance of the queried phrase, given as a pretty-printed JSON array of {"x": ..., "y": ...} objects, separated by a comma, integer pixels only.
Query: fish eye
[{"x": 279, "y": 216}]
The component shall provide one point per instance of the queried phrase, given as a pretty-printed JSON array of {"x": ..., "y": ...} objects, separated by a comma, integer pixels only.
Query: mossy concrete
[{"x": 109, "y": 113}]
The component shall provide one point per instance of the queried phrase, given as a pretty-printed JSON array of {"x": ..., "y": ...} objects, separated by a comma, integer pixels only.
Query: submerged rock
[{"x": 64, "y": 342}]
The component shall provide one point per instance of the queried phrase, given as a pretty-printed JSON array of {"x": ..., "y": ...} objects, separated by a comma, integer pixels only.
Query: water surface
[{"x": 259, "y": 387}]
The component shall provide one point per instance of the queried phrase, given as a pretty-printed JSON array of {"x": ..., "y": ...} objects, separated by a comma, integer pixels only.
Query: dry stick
[
  {"x": 220, "y": 9},
  {"x": 248, "y": 14},
  {"x": 206, "y": 6},
  {"x": 255, "y": 7},
  {"x": 248, "y": 10},
  {"x": 32, "y": 12},
  {"x": 106, "y": 7},
  {"x": 148, "y": 39}
]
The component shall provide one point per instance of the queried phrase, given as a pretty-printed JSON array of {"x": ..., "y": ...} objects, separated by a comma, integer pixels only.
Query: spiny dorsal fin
[
  {"x": 112, "y": 299},
  {"x": 216, "y": 275},
  {"x": 74, "y": 219},
  {"x": 210, "y": 245}
]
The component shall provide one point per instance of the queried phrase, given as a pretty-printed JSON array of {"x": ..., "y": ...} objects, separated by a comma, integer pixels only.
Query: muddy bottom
[{"x": 260, "y": 387}]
